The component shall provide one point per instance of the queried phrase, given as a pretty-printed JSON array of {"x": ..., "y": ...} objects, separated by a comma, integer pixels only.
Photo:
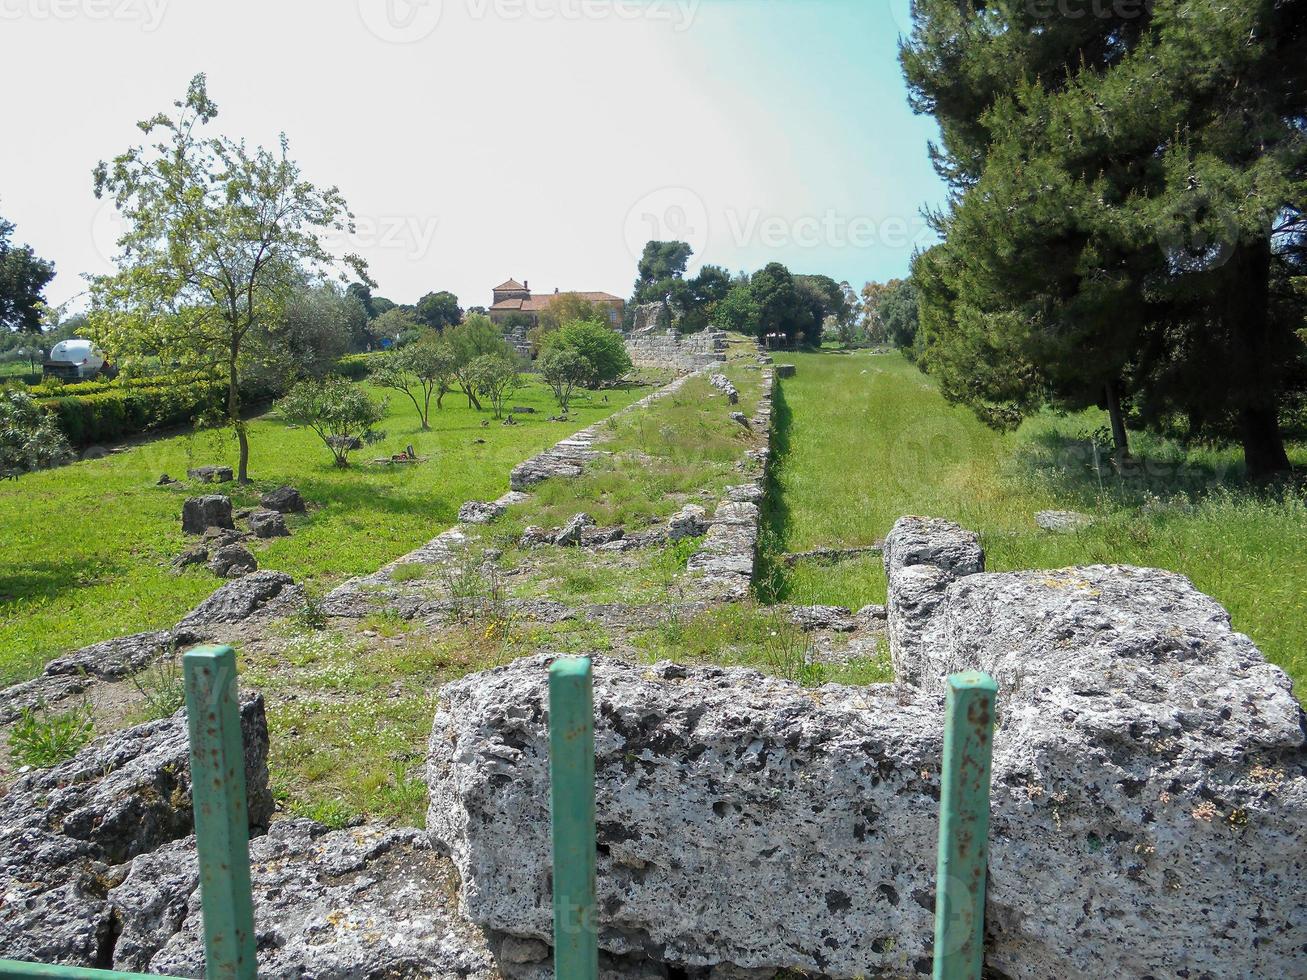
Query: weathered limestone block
[
  {"x": 1149, "y": 762},
  {"x": 63, "y": 831},
  {"x": 570, "y": 533},
  {"x": 210, "y": 474},
  {"x": 786, "y": 370},
  {"x": 201, "y": 513},
  {"x": 237, "y": 601},
  {"x": 540, "y": 468},
  {"x": 688, "y": 522},
  {"x": 741, "y": 820},
  {"x": 232, "y": 561},
  {"x": 268, "y": 524},
  {"x": 364, "y": 902},
  {"x": 481, "y": 512},
  {"x": 287, "y": 500},
  {"x": 1062, "y": 521},
  {"x": 70, "y": 675}
]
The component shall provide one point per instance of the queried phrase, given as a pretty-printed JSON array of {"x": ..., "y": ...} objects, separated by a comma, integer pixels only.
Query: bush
[
  {"x": 29, "y": 438},
  {"x": 603, "y": 349},
  {"x": 107, "y": 415},
  {"x": 356, "y": 367},
  {"x": 339, "y": 411}
]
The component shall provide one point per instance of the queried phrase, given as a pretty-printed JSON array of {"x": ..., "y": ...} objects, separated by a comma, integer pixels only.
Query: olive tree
[
  {"x": 495, "y": 377},
  {"x": 218, "y": 236},
  {"x": 29, "y": 437},
  {"x": 564, "y": 370},
  {"x": 340, "y": 412},
  {"x": 419, "y": 371}
]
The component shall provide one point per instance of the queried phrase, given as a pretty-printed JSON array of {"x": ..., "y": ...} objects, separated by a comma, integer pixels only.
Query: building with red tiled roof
[{"x": 515, "y": 297}]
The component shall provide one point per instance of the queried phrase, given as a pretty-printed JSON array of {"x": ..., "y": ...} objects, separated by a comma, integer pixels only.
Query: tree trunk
[
  {"x": 1257, "y": 382},
  {"x": 1263, "y": 445},
  {"x": 234, "y": 416},
  {"x": 1119, "y": 437}
]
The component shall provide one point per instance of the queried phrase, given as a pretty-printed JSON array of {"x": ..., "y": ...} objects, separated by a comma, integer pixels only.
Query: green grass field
[
  {"x": 862, "y": 439},
  {"x": 86, "y": 547}
]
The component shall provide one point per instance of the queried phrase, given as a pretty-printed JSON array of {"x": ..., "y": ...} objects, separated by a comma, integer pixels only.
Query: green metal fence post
[
  {"x": 964, "y": 826},
  {"x": 572, "y": 810},
  {"x": 221, "y": 817}
]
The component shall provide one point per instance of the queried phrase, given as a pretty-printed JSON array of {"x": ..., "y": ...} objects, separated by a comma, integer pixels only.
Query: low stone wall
[
  {"x": 681, "y": 352},
  {"x": 1149, "y": 812}
]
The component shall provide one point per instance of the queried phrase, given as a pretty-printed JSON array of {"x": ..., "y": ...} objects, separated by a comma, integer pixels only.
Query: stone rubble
[{"x": 201, "y": 513}]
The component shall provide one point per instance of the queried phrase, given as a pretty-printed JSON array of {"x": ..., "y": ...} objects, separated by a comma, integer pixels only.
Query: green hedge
[
  {"x": 356, "y": 367},
  {"x": 57, "y": 389},
  {"x": 108, "y": 415}
]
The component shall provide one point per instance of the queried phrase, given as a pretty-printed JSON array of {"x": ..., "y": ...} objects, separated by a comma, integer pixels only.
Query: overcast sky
[{"x": 477, "y": 140}]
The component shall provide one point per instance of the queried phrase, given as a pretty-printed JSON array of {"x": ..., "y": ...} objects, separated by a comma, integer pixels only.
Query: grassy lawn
[
  {"x": 862, "y": 439},
  {"x": 86, "y": 547}
]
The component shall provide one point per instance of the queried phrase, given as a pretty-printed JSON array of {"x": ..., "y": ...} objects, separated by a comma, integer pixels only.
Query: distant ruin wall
[{"x": 683, "y": 352}]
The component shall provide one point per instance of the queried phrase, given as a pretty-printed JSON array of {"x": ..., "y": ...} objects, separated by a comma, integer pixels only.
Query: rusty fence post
[
  {"x": 572, "y": 813},
  {"x": 964, "y": 826},
  {"x": 222, "y": 828}
]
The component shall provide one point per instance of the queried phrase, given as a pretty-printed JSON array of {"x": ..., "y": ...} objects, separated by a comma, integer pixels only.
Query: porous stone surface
[
  {"x": 1149, "y": 763},
  {"x": 197, "y": 554},
  {"x": 649, "y": 347},
  {"x": 287, "y": 500},
  {"x": 201, "y": 513},
  {"x": 268, "y": 524},
  {"x": 1062, "y": 521},
  {"x": 922, "y": 556},
  {"x": 570, "y": 533},
  {"x": 362, "y": 902},
  {"x": 210, "y": 474},
  {"x": 66, "y": 831},
  {"x": 533, "y": 536},
  {"x": 1149, "y": 807},
  {"x": 741, "y": 820},
  {"x": 481, "y": 511},
  {"x": 593, "y": 537},
  {"x": 232, "y": 561},
  {"x": 72, "y": 674},
  {"x": 237, "y": 601},
  {"x": 688, "y": 522},
  {"x": 786, "y": 370},
  {"x": 837, "y": 619}
]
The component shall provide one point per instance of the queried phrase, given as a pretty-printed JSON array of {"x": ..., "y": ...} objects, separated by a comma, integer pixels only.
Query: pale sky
[{"x": 477, "y": 140}]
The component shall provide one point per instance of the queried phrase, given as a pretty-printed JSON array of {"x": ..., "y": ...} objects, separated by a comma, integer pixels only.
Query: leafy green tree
[
  {"x": 29, "y": 437},
  {"x": 601, "y": 347},
  {"x": 420, "y": 371},
  {"x": 1129, "y": 199},
  {"x": 564, "y": 370},
  {"x": 699, "y": 297},
  {"x": 737, "y": 310},
  {"x": 896, "y": 308},
  {"x": 361, "y": 292},
  {"x": 661, "y": 270},
  {"x": 495, "y": 377},
  {"x": 318, "y": 324},
  {"x": 438, "y": 310},
  {"x": 339, "y": 411},
  {"x": 778, "y": 302},
  {"x": 218, "y": 237},
  {"x": 381, "y": 306},
  {"x": 468, "y": 340},
  {"x": 398, "y": 324},
  {"x": 23, "y": 278},
  {"x": 565, "y": 308}
]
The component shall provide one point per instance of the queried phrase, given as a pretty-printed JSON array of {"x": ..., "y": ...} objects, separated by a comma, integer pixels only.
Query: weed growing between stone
[{"x": 42, "y": 738}]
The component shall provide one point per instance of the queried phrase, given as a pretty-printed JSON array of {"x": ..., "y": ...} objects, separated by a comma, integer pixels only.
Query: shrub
[
  {"x": 563, "y": 369},
  {"x": 29, "y": 438},
  {"x": 102, "y": 416},
  {"x": 44, "y": 739},
  {"x": 356, "y": 367},
  {"x": 602, "y": 348},
  {"x": 339, "y": 411},
  {"x": 496, "y": 377}
]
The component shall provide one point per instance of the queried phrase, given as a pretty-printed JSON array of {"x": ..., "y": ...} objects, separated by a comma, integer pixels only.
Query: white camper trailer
[{"x": 75, "y": 360}]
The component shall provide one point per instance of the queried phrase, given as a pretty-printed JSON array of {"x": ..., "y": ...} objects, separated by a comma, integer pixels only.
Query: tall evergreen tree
[{"x": 1127, "y": 195}]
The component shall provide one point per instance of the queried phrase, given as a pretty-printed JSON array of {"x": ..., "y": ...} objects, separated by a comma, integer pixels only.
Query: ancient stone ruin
[
  {"x": 1149, "y": 802},
  {"x": 672, "y": 349}
]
